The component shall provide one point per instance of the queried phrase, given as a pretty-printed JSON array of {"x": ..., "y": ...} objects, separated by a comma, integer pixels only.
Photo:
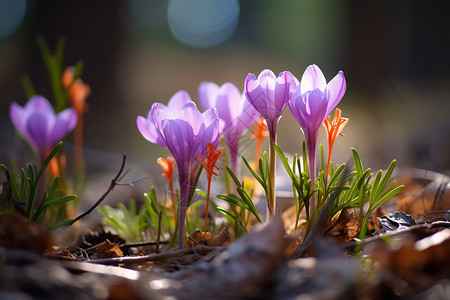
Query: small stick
[
  {"x": 199, "y": 249},
  {"x": 396, "y": 233},
  {"x": 139, "y": 244},
  {"x": 111, "y": 187}
]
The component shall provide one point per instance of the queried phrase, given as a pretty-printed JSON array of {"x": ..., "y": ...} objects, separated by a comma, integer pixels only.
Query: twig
[
  {"x": 111, "y": 187},
  {"x": 396, "y": 233},
  {"x": 139, "y": 244},
  {"x": 131, "y": 183},
  {"x": 199, "y": 249}
]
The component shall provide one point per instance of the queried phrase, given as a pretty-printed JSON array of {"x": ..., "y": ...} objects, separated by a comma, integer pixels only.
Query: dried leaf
[
  {"x": 419, "y": 263},
  {"x": 245, "y": 268},
  {"x": 17, "y": 232},
  {"x": 209, "y": 239},
  {"x": 343, "y": 228},
  {"x": 106, "y": 250},
  {"x": 434, "y": 197}
]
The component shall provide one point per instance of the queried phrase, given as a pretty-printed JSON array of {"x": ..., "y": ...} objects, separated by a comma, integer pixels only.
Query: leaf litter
[{"x": 403, "y": 256}]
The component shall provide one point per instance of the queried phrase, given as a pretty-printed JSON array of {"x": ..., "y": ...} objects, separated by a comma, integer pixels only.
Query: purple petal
[
  {"x": 207, "y": 94},
  {"x": 228, "y": 103},
  {"x": 313, "y": 79},
  {"x": 255, "y": 94},
  {"x": 149, "y": 131},
  {"x": 211, "y": 134},
  {"x": 65, "y": 122},
  {"x": 316, "y": 108},
  {"x": 39, "y": 103},
  {"x": 336, "y": 88},
  {"x": 249, "y": 114},
  {"x": 19, "y": 118},
  {"x": 178, "y": 100},
  {"x": 38, "y": 129},
  {"x": 281, "y": 93},
  {"x": 175, "y": 142},
  {"x": 192, "y": 117},
  {"x": 266, "y": 74},
  {"x": 160, "y": 112}
]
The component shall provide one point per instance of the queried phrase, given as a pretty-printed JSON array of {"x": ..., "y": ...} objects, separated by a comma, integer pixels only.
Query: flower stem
[
  {"x": 184, "y": 198},
  {"x": 207, "y": 203},
  {"x": 271, "y": 197},
  {"x": 312, "y": 176}
]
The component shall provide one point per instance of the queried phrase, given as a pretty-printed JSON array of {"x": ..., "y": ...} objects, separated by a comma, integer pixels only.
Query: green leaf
[
  {"x": 358, "y": 163},
  {"x": 233, "y": 199},
  {"x": 257, "y": 177},
  {"x": 59, "y": 201},
  {"x": 60, "y": 224},
  {"x": 385, "y": 198},
  {"x": 27, "y": 86}
]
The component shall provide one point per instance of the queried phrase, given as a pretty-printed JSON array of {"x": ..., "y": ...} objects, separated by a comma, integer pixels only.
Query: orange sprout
[
  {"x": 260, "y": 133},
  {"x": 168, "y": 166},
  {"x": 78, "y": 93},
  {"x": 210, "y": 165},
  {"x": 334, "y": 129}
]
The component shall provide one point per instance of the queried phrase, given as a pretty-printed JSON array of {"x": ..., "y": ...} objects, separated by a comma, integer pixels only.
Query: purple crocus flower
[
  {"x": 235, "y": 112},
  {"x": 182, "y": 129},
  {"x": 39, "y": 124},
  {"x": 311, "y": 101},
  {"x": 269, "y": 95}
]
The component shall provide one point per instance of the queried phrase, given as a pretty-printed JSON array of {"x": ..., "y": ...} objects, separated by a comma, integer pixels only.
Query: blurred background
[{"x": 395, "y": 56}]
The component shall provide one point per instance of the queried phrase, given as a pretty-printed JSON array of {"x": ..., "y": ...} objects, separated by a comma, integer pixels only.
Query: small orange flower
[
  {"x": 211, "y": 159},
  {"x": 168, "y": 166},
  {"x": 67, "y": 77},
  {"x": 334, "y": 128},
  {"x": 260, "y": 133},
  {"x": 78, "y": 93},
  {"x": 210, "y": 165}
]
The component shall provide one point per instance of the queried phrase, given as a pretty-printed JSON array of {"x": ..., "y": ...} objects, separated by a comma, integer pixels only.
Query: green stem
[{"x": 271, "y": 197}]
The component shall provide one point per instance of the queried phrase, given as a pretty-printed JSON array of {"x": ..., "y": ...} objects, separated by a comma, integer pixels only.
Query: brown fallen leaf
[
  {"x": 245, "y": 267},
  {"x": 105, "y": 250},
  {"x": 373, "y": 224},
  {"x": 209, "y": 239},
  {"x": 344, "y": 227},
  {"x": 419, "y": 263},
  {"x": 17, "y": 232},
  {"x": 433, "y": 197}
]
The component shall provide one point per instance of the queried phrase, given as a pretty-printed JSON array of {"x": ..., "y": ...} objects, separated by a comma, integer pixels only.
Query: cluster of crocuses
[{"x": 186, "y": 132}]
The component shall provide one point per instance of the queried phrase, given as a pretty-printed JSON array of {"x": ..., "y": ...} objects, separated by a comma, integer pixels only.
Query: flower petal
[
  {"x": 149, "y": 131},
  {"x": 178, "y": 100},
  {"x": 228, "y": 103},
  {"x": 38, "y": 128},
  {"x": 65, "y": 122},
  {"x": 336, "y": 88},
  {"x": 281, "y": 91},
  {"x": 207, "y": 94},
  {"x": 192, "y": 117},
  {"x": 313, "y": 79},
  {"x": 39, "y": 103},
  {"x": 18, "y": 117}
]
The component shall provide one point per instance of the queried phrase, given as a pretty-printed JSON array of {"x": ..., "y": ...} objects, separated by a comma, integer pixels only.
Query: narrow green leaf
[
  {"x": 27, "y": 86},
  {"x": 63, "y": 223},
  {"x": 358, "y": 163}
]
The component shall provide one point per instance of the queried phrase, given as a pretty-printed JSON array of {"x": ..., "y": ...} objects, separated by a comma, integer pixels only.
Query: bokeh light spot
[
  {"x": 203, "y": 23},
  {"x": 11, "y": 16}
]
